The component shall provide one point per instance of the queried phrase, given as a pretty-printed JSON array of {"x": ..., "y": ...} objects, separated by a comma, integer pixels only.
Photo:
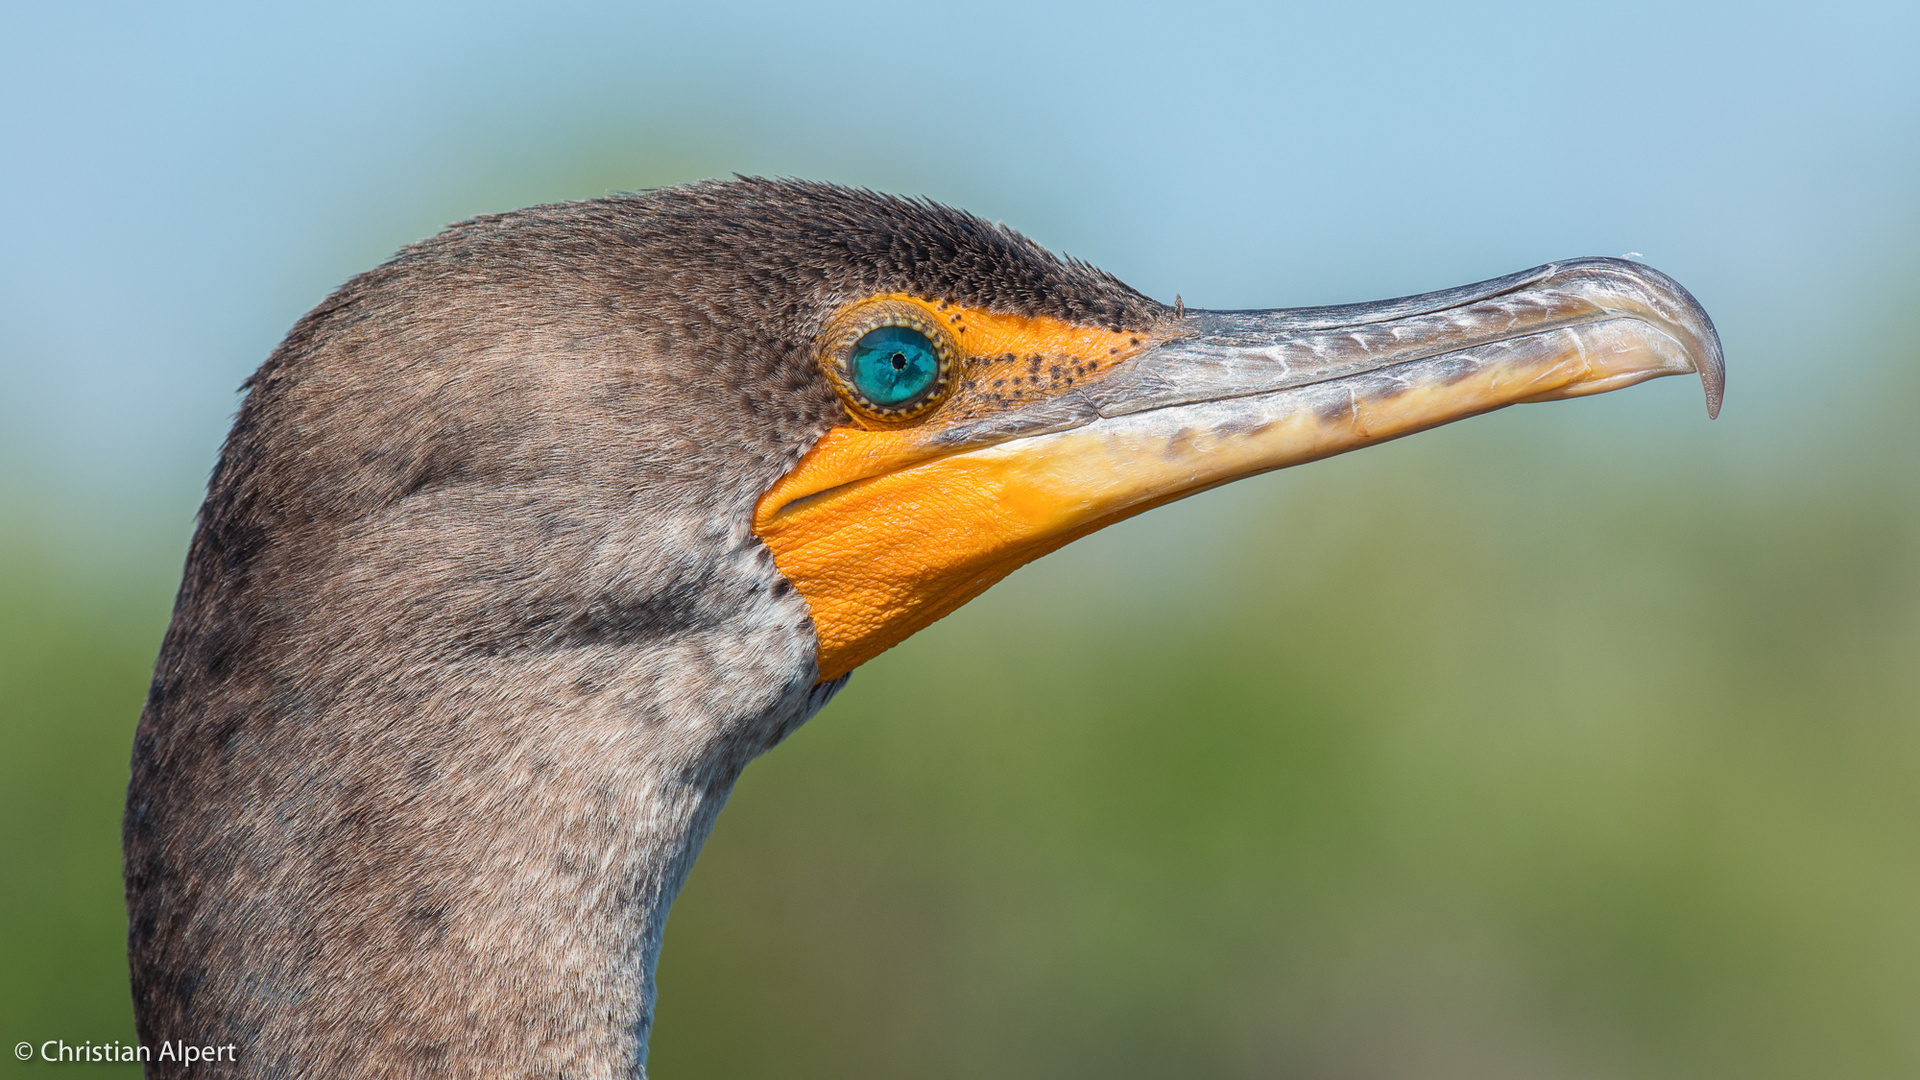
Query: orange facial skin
[
  {"x": 886, "y": 554},
  {"x": 883, "y": 541},
  {"x": 1010, "y": 360}
]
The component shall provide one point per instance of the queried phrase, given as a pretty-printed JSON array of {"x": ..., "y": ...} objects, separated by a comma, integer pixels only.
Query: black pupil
[{"x": 899, "y": 361}]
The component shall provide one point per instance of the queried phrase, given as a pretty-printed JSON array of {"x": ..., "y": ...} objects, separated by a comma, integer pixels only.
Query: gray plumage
[{"x": 475, "y": 635}]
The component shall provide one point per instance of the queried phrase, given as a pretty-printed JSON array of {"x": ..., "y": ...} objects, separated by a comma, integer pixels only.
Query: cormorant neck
[{"x": 364, "y": 840}]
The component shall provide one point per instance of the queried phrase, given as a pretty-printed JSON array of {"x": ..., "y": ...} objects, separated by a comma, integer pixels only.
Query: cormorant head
[{"x": 902, "y": 401}]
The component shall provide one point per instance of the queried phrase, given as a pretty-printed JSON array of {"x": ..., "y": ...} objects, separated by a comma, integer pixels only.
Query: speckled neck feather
[{"x": 475, "y": 637}]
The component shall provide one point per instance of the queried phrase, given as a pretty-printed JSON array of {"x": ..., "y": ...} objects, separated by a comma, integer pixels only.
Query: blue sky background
[
  {"x": 1575, "y": 741},
  {"x": 186, "y": 179}
]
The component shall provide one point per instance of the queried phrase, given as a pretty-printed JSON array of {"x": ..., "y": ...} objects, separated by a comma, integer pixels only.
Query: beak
[
  {"x": 1580, "y": 327},
  {"x": 883, "y": 543},
  {"x": 1247, "y": 392}
]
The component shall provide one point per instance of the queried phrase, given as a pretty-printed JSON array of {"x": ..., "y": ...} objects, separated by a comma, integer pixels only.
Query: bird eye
[
  {"x": 893, "y": 366},
  {"x": 891, "y": 361}
]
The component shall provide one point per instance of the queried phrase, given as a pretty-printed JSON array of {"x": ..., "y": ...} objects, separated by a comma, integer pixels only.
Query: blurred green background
[{"x": 1576, "y": 741}]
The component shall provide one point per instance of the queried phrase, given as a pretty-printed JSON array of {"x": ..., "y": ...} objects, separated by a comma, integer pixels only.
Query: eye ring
[{"x": 890, "y": 361}]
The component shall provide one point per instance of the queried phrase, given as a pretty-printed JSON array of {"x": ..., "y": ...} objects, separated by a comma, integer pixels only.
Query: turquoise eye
[
  {"x": 891, "y": 360},
  {"x": 892, "y": 366}
]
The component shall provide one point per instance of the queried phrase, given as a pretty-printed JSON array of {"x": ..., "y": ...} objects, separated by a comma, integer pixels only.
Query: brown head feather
[{"x": 475, "y": 635}]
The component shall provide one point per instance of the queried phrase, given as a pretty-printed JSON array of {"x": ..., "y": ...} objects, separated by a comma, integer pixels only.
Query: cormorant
[{"x": 524, "y": 543}]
